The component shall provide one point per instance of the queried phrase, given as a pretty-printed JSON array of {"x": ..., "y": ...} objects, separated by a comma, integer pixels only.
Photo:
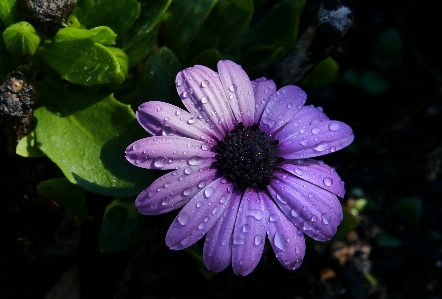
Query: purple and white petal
[
  {"x": 317, "y": 212},
  {"x": 286, "y": 239},
  {"x": 217, "y": 250},
  {"x": 306, "y": 116},
  {"x": 169, "y": 152},
  {"x": 318, "y": 173},
  {"x": 281, "y": 108},
  {"x": 199, "y": 214},
  {"x": 238, "y": 90},
  {"x": 316, "y": 140},
  {"x": 173, "y": 190},
  {"x": 249, "y": 233},
  {"x": 263, "y": 89},
  {"x": 203, "y": 95},
  {"x": 163, "y": 119}
]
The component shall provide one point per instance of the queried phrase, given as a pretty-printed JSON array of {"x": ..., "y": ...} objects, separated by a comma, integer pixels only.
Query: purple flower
[{"x": 241, "y": 167}]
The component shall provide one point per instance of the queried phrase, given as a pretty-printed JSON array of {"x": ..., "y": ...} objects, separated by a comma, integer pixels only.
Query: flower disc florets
[{"x": 247, "y": 157}]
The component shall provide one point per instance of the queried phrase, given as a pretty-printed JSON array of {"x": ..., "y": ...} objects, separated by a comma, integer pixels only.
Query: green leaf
[
  {"x": 122, "y": 226},
  {"x": 103, "y": 35},
  {"x": 349, "y": 223},
  {"x": 8, "y": 12},
  {"x": 207, "y": 58},
  {"x": 411, "y": 210},
  {"x": 116, "y": 14},
  {"x": 66, "y": 194},
  {"x": 184, "y": 24},
  {"x": 28, "y": 147},
  {"x": 81, "y": 61},
  {"x": 385, "y": 240},
  {"x": 141, "y": 49},
  {"x": 157, "y": 80},
  {"x": 388, "y": 49},
  {"x": 21, "y": 39},
  {"x": 86, "y": 137},
  {"x": 279, "y": 27},
  {"x": 352, "y": 77},
  {"x": 323, "y": 74},
  {"x": 123, "y": 63},
  {"x": 374, "y": 82},
  {"x": 236, "y": 16},
  {"x": 152, "y": 12}
]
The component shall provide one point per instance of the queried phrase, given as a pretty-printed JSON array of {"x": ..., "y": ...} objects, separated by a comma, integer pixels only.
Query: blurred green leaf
[
  {"x": 374, "y": 82},
  {"x": 66, "y": 194},
  {"x": 385, "y": 240},
  {"x": 323, "y": 74},
  {"x": 184, "y": 24},
  {"x": 103, "y": 35},
  {"x": 349, "y": 223},
  {"x": 410, "y": 209},
  {"x": 157, "y": 80},
  {"x": 28, "y": 147},
  {"x": 227, "y": 22},
  {"x": 207, "y": 58},
  {"x": 8, "y": 13},
  {"x": 352, "y": 77},
  {"x": 143, "y": 35},
  {"x": 81, "y": 61},
  {"x": 21, "y": 39},
  {"x": 122, "y": 226},
  {"x": 116, "y": 14},
  {"x": 279, "y": 27},
  {"x": 86, "y": 137},
  {"x": 388, "y": 49}
]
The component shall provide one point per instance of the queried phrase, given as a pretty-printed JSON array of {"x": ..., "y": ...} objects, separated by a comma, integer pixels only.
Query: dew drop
[
  {"x": 201, "y": 225},
  {"x": 307, "y": 226},
  {"x": 241, "y": 262},
  {"x": 178, "y": 112},
  {"x": 205, "y": 147},
  {"x": 297, "y": 248},
  {"x": 294, "y": 213},
  {"x": 224, "y": 242},
  {"x": 258, "y": 240},
  {"x": 304, "y": 142},
  {"x": 314, "y": 218},
  {"x": 328, "y": 181},
  {"x": 316, "y": 131},
  {"x": 188, "y": 170},
  {"x": 191, "y": 120},
  {"x": 165, "y": 201},
  {"x": 209, "y": 192},
  {"x": 320, "y": 147},
  {"x": 204, "y": 100},
  {"x": 232, "y": 88},
  {"x": 199, "y": 204},
  {"x": 202, "y": 184},
  {"x": 159, "y": 162},
  {"x": 214, "y": 74},
  {"x": 168, "y": 131},
  {"x": 246, "y": 228},
  {"x": 195, "y": 160},
  {"x": 274, "y": 217},
  {"x": 136, "y": 146},
  {"x": 279, "y": 241},
  {"x": 205, "y": 83},
  {"x": 215, "y": 210},
  {"x": 179, "y": 82},
  {"x": 257, "y": 214},
  {"x": 186, "y": 93},
  {"x": 333, "y": 149},
  {"x": 334, "y": 127},
  {"x": 325, "y": 218},
  {"x": 183, "y": 218},
  {"x": 298, "y": 171},
  {"x": 223, "y": 199},
  {"x": 187, "y": 191},
  {"x": 238, "y": 241},
  {"x": 185, "y": 241}
]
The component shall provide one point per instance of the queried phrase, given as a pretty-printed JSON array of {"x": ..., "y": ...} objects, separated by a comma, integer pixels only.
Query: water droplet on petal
[
  {"x": 188, "y": 170},
  {"x": 168, "y": 131},
  {"x": 321, "y": 147},
  {"x": 199, "y": 204},
  {"x": 202, "y": 184},
  {"x": 224, "y": 242},
  {"x": 201, "y": 225},
  {"x": 246, "y": 228},
  {"x": 195, "y": 160},
  {"x": 183, "y": 218},
  {"x": 232, "y": 88},
  {"x": 304, "y": 142},
  {"x": 258, "y": 240},
  {"x": 279, "y": 241},
  {"x": 298, "y": 171},
  {"x": 316, "y": 131},
  {"x": 297, "y": 248},
  {"x": 187, "y": 191},
  {"x": 257, "y": 214},
  {"x": 205, "y": 147},
  {"x": 215, "y": 210},
  {"x": 307, "y": 225},
  {"x": 186, "y": 93},
  {"x": 333, "y": 149},
  {"x": 204, "y": 100},
  {"x": 159, "y": 162},
  {"x": 136, "y": 146},
  {"x": 205, "y": 83},
  {"x": 223, "y": 199},
  {"x": 165, "y": 201},
  {"x": 214, "y": 74},
  {"x": 241, "y": 262},
  {"x": 328, "y": 181},
  {"x": 209, "y": 192},
  {"x": 334, "y": 127},
  {"x": 294, "y": 213},
  {"x": 274, "y": 217},
  {"x": 191, "y": 120},
  {"x": 238, "y": 241},
  {"x": 326, "y": 218}
]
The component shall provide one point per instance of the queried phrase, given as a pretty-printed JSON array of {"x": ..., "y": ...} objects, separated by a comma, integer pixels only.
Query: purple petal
[
  {"x": 317, "y": 212},
  {"x": 202, "y": 93},
  {"x": 173, "y": 190},
  {"x": 218, "y": 245},
  {"x": 169, "y": 152},
  {"x": 239, "y": 91},
  {"x": 199, "y": 214},
  {"x": 318, "y": 173},
  {"x": 159, "y": 118},
  {"x": 282, "y": 107},
  {"x": 316, "y": 140},
  {"x": 264, "y": 89},
  {"x": 248, "y": 234},
  {"x": 306, "y": 116},
  {"x": 287, "y": 241}
]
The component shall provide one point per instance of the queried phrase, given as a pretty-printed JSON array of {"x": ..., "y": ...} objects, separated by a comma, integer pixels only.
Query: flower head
[{"x": 241, "y": 167}]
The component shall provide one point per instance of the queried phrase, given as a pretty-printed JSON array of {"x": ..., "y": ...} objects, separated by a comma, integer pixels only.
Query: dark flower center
[{"x": 248, "y": 157}]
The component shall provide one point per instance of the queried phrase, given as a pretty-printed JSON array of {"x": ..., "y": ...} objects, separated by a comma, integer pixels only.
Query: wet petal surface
[
  {"x": 163, "y": 119},
  {"x": 263, "y": 90},
  {"x": 219, "y": 240},
  {"x": 199, "y": 215},
  {"x": 169, "y": 152},
  {"x": 173, "y": 190},
  {"x": 286, "y": 239},
  {"x": 248, "y": 234}
]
